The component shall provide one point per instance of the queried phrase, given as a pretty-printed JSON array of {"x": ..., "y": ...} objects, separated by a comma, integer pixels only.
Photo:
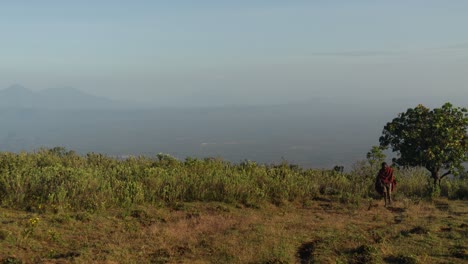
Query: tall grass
[{"x": 63, "y": 180}]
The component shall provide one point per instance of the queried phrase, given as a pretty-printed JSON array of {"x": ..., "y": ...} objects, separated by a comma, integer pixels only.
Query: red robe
[{"x": 385, "y": 176}]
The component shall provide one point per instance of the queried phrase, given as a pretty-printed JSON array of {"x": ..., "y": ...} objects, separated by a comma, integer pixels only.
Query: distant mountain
[{"x": 17, "y": 96}]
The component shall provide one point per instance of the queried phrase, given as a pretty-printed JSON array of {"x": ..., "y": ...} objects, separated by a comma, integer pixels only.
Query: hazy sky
[{"x": 237, "y": 52}]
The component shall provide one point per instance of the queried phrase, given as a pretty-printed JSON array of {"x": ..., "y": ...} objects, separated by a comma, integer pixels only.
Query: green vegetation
[
  {"x": 61, "y": 180},
  {"x": 57, "y": 206},
  {"x": 435, "y": 139}
]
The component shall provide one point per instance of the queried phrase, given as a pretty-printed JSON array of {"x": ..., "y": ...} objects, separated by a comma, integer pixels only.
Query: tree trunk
[{"x": 435, "y": 175}]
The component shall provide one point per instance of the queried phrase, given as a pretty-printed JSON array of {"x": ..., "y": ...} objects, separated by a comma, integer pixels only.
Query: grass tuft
[{"x": 366, "y": 254}]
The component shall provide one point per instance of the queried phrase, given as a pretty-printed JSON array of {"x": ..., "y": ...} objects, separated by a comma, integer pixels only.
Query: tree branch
[{"x": 445, "y": 174}]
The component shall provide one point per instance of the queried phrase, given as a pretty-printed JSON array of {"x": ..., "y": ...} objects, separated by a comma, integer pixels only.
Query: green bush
[{"x": 57, "y": 180}]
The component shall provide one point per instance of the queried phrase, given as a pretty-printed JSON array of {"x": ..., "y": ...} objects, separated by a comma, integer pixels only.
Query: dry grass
[{"x": 324, "y": 231}]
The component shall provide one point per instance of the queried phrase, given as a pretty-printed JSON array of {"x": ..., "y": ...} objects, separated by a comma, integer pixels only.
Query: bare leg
[
  {"x": 385, "y": 197},
  {"x": 389, "y": 192}
]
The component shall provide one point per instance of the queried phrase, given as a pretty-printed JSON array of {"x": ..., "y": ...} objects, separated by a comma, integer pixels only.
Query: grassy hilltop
[{"x": 59, "y": 207}]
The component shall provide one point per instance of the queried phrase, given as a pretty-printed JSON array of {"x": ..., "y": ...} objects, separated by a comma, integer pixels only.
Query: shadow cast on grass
[{"x": 305, "y": 252}]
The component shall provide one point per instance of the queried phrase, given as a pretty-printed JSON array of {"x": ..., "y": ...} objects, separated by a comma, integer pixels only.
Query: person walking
[{"x": 385, "y": 183}]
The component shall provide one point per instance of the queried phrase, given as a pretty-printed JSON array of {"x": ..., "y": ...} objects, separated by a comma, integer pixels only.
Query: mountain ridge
[{"x": 18, "y": 96}]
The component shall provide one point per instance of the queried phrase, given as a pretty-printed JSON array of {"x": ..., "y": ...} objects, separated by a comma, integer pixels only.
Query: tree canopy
[{"x": 435, "y": 139}]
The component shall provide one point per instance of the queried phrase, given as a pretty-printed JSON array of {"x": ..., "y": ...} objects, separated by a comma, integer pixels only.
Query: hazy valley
[{"x": 320, "y": 132}]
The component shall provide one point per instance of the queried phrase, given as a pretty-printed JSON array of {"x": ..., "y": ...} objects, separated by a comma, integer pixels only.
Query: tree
[
  {"x": 375, "y": 157},
  {"x": 435, "y": 139}
]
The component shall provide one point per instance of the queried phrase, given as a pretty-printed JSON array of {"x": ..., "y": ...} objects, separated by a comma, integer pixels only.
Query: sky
[{"x": 187, "y": 53}]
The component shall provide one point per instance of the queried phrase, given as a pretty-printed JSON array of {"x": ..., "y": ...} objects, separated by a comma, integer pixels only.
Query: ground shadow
[
  {"x": 396, "y": 209},
  {"x": 305, "y": 252}
]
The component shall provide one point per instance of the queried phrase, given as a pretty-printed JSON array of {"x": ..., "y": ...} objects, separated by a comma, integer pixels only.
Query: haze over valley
[{"x": 321, "y": 132}]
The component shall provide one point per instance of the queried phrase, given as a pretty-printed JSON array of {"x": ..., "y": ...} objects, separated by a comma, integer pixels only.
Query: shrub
[{"x": 62, "y": 180}]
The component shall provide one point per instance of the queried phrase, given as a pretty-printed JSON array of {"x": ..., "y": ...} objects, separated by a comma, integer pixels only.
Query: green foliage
[
  {"x": 375, "y": 157},
  {"x": 57, "y": 180},
  {"x": 31, "y": 225},
  {"x": 435, "y": 139},
  {"x": 433, "y": 191},
  {"x": 11, "y": 260}
]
